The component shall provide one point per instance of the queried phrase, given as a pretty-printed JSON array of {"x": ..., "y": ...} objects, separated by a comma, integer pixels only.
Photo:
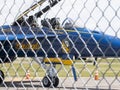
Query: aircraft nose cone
[
  {"x": 115, "y": 42},
  {"x": 115, "y": 45},
  {"x": 109, "y": 46}
]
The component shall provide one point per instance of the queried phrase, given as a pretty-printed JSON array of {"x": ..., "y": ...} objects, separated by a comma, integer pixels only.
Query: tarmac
[{"x": 66, "y": 83}]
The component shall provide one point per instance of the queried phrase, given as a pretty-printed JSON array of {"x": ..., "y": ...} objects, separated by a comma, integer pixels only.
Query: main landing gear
[{"x": 1, "y": 77}]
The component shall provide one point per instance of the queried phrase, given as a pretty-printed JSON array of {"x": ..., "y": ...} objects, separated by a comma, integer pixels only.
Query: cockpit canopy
[{"x": 67, "y": 23}]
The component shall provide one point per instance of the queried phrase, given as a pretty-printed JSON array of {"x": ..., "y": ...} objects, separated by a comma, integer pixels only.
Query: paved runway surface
[{"x": 65, "y": 84}]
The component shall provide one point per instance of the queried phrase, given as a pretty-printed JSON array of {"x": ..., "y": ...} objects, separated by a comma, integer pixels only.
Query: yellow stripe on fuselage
[{"x": 58, "y": 61}]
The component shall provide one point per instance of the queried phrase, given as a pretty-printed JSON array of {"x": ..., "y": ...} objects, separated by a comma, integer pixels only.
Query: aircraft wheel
[
  {"x": 55, "y": 81},
  {"x": 1, "y": 76},
  {"x": 46, "y": 82}
]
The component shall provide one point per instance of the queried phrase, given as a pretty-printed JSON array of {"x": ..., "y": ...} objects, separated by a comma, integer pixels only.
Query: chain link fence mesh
[{"x": 59, "y": 44}]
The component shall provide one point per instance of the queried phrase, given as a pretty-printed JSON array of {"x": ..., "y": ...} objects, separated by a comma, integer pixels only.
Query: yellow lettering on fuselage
[{"x": 28, "y": 46}]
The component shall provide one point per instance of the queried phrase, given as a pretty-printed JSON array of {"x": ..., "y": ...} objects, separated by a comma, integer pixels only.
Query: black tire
[
  {"x": 46, "y": 81},
  {"x": 1, "y": 77},
  {"x": 55, "y": 81}
]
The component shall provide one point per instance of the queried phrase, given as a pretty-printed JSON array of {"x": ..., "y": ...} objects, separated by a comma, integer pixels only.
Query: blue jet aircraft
[{"x": 56, "y": 44}]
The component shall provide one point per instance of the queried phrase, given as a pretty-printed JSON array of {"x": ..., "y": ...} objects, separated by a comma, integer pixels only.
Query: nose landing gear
[{"x": 51, "y": 78}]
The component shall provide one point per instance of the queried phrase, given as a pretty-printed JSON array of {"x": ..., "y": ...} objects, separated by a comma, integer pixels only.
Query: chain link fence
[{"x": 59, "y": 44}]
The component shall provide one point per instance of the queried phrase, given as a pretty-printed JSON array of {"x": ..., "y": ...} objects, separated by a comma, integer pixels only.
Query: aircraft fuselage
[{"x": 36, "y": 42}]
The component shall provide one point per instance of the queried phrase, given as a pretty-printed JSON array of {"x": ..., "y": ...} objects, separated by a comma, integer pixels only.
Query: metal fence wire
[{"x": 59, "y": 44}]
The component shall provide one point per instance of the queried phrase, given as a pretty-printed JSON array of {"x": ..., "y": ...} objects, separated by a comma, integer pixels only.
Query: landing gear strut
[
  {"x": 95, "y": 61},
  {"x": 1, "y": 77}
]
